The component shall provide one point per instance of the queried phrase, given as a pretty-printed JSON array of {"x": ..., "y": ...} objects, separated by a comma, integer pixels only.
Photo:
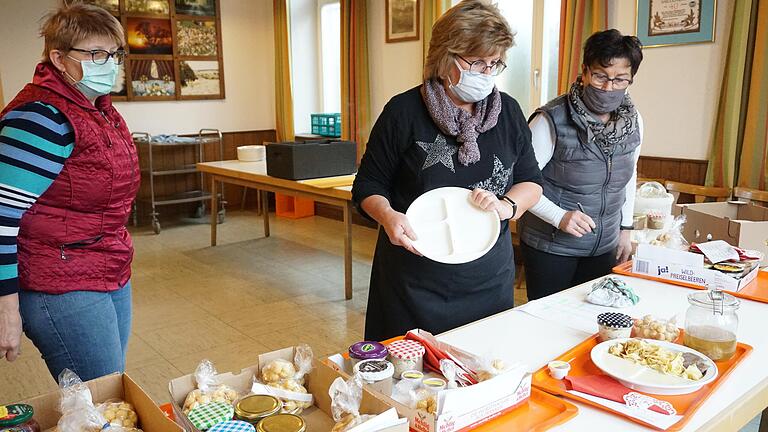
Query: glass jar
[
  {"x": 18, "y": 418},
  {"x": 711, "y": 324},
  {"x": 253, "y": 408}
]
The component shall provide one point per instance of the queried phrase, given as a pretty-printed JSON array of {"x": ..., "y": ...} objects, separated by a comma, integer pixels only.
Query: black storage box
[{"x": 311, "y": 159}]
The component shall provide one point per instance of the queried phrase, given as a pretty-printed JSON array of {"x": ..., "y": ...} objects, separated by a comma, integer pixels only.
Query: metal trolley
[{"x": 198, "y": 194}]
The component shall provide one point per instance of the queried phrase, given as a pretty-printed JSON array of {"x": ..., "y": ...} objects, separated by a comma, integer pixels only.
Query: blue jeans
[{"x": 84, "y": 331}]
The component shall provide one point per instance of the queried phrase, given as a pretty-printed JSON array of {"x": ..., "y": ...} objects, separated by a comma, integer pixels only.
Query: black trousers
[{"x": 547, "y": 273}]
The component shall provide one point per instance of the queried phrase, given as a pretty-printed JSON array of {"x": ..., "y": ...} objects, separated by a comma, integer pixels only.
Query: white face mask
[{"x": 472, "y": 86}]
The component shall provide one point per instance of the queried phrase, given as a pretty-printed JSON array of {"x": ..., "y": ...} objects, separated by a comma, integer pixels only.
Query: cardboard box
[
  {"x": 463, "y": 408},
  {"x": 741, "y": 224},
  {"x": 317, "y": 382},
  {"x": 685, "y": 267},
  {"x": 115, "y": 386}
]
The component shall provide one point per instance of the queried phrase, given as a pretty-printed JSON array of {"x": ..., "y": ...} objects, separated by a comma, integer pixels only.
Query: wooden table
[
  {"x": 254, "y": 175},
  {"x": 538, "y": 332}
]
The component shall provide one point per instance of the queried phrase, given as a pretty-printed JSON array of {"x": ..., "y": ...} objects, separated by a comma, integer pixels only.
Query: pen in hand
[{"x": 581, "y": 209}]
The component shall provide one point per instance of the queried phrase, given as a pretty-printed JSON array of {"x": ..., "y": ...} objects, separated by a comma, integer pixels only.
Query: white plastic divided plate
[
  {"x": 450, "y": 229},
  {"x": 644, "y": 379}
]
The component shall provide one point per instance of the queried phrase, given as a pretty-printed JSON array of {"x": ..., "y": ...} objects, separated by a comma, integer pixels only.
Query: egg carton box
[
  {"x": 107, "y": 388},
  {"x": 318, "y": 417}
]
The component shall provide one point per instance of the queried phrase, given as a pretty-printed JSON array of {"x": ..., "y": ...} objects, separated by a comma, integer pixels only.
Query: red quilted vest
[{"x": 74, "y": 237}]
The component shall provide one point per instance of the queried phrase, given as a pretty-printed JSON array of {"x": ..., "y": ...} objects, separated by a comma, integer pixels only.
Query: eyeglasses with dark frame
[
  {"x": 480, "y": 66},
  {"x": 101, "y": 57},
  {"x": 600, "y": 79}
]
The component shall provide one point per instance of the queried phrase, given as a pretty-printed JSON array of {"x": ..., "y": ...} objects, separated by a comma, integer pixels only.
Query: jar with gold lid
[
  {"x": 254, "y": 408},
  {"x": 282, "y": 423}
]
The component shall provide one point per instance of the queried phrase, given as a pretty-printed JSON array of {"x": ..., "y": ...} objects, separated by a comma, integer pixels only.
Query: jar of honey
[{"x": 711, "y": 323}]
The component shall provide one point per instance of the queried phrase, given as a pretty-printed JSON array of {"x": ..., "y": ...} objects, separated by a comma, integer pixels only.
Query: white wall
[
  {"x": 394, "y": 67},
  {"x": 248, "y": 50},
  {"x": 677, "y": 87}
]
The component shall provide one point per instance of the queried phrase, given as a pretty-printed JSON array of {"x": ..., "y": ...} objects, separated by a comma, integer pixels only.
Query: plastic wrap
[
  {"x": 673, "y": 237},
  {"x": 208, "y": 390},
  {"x": 119, "y": 413},
  {"x": 660, "y": 329},
  {"x": 78, "y": 414},
  {"x": 286, "y": 380},
  {"x": 612, "y": 292}
]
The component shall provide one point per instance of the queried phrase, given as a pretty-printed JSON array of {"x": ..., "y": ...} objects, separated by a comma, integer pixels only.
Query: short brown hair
[
  {"x": 471, "y": 28},
  {"x": 71, "y": 24}
]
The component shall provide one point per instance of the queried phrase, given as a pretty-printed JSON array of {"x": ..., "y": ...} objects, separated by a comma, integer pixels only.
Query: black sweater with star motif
[{"x": 407, "y": 155}]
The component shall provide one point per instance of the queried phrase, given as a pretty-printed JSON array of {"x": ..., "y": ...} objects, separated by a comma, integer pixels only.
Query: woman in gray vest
[{"x": 587, "y": 143}]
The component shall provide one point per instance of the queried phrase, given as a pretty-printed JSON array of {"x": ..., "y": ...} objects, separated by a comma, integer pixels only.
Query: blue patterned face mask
[{"x": 97, "y": 80}]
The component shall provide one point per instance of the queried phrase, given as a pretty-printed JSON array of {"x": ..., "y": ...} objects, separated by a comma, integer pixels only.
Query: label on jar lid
[
  {"x": 406, "y": 350},
  {"x": 12, "y": 415},
  {"x": 375, "y": 370},
  {"x": 367, "y": 350},
  {"x": 233, "y": 426}
]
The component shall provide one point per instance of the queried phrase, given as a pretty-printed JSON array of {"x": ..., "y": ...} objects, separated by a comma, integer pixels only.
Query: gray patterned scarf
[
  {"x": 606, "y": 136},
  {"x": 454, "y": 121}
]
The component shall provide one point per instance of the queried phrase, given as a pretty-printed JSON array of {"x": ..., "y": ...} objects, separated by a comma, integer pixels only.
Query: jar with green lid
[
  {"x": 282, "y": 423},
  {"x": 18, "y": 418},
  {"x": 254, "y": 408}
]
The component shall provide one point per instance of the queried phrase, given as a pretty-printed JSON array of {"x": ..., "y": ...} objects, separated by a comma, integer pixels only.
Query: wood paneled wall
[
  {"x": 173, "y": 157},
  {"x": 693, "y": 171}
]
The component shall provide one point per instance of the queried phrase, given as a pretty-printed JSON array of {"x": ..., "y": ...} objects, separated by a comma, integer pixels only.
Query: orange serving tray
[
  {"x": 581, "y": 365},
  {"x": 757, "y": 290},
  {"x": 541, "y": 412}
]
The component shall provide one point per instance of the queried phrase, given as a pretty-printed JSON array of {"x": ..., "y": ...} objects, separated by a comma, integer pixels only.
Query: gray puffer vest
[{"x": 579, "y": 172}]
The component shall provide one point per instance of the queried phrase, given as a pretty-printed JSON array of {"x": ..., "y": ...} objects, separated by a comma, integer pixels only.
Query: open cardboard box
[
  {"x": 115, "y": 386},
  {"x": 682, "y": 266},
  {"x": 741, "y": 224},
  {"x": 463, "y": 408},
  {"x": 317, "y": 382}
]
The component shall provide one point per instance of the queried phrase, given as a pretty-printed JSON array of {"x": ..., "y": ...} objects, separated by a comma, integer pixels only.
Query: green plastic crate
[{"x": 326, "y": 124}]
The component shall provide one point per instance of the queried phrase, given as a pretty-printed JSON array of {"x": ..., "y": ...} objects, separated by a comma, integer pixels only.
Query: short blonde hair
[
  {"x": 71, "y": 24},
  {"x": 471, "y": 28}
]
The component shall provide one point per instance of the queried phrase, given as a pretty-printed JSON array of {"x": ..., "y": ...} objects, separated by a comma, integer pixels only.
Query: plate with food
[{"x": 654, "y": 366}]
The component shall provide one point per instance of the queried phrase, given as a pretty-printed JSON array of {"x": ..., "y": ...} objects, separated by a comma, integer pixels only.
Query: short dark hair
[{"x": 604, "y": 46}]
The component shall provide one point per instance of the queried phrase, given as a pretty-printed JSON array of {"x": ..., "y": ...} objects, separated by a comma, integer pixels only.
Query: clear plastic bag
[
  {"x": 613, "y": 292},
  {"x": 288, "y": 379},
  {"x": 652, "y": 328},
  {"x": 208, "y": 390},
  {"x": 673, "y": 237},
  {"x": 346, "y": 397},
  {"x": 78, "y": 414},
  {"x": 119, "y": 413}
]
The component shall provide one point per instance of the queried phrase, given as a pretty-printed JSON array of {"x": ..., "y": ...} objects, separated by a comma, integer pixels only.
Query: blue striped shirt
[{"x": 35, "y": 140}]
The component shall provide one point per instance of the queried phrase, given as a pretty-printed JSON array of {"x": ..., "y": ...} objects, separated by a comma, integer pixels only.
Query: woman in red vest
[{"x": 68, "y": 176}]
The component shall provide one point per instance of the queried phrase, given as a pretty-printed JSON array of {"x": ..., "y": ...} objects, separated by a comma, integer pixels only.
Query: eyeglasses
[
  {"x": 479, "y": 66},
  {"x": 101, "y": 57},
  {"x": 600, "y": 79}
]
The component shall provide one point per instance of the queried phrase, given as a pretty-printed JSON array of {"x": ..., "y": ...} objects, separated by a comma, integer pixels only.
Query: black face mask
[{"x": 601, "y": 101}]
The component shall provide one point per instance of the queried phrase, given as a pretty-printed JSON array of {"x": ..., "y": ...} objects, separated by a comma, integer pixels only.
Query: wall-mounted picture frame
[
  {"x": 149, "y": 36},
  {"x": 112, "y": 6},
  {"x": 675, "y": 22},
  {"x": 153, "y": 78},
  {"x": 196, "y": 7},
  {"x": 148, "y": 7},
  {"x": 196, "y": 38},
  {"x": 120, "y": 90},
  {"x": 402, "y": 20},
  {"x": 200, "y": 79}
]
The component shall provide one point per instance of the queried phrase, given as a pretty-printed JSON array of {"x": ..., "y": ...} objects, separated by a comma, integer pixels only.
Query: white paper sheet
[
  {"x": 382, "y": 421},
  {"x": 718, "y": 251},
  {"x": 662, "y": 421},
  {"x": 568, "y": 311}
]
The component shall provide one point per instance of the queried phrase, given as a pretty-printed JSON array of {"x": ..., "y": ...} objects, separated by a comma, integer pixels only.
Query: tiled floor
[{"x": 229, "y": 303}]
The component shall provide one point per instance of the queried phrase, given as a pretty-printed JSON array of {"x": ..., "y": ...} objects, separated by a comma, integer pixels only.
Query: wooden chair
[
  {"x": 700, "y": 193},
  {"x": 748, "y": 194}
]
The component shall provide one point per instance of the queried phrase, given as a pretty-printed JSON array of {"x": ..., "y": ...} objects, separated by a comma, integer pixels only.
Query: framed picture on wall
[
  {"x": 148, "y": 7},
  {"x": 196, "y": 38},
  {"x": 200, "y": 79},
  {"x": 675, "y": 22},
  {"x": 120, "y": 90},
  {"x": 112, "y": 6},
  {"x": 152, "y": 78},
  {"x": 196, "y": 7},
  {"x": 149, "y": 36},
  {"x": 402, "y": 20}
]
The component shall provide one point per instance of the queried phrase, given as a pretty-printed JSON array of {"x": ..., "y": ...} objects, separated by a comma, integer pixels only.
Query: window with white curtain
[{"x": 330, "y": 56}]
